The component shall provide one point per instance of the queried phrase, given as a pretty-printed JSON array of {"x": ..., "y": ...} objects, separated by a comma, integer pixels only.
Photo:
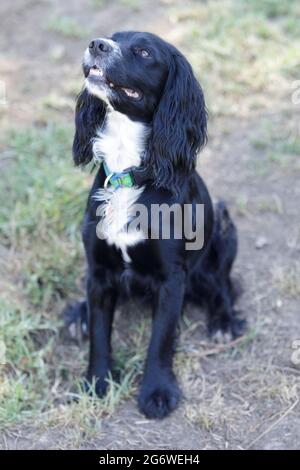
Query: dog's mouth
[{"x": 97, "y": 73}]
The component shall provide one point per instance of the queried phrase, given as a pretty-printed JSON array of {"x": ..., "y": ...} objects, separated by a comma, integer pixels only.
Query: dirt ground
[{"x": 238, "y": 396}]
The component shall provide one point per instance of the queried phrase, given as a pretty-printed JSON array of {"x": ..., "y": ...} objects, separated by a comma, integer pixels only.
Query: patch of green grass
[
  {"x": 40, "y": 221},
  {"x": 241, "y": 51},
  {"x": 45, "y": 191},
  {"x": 97, "y": 3},
  {"x": 290, "y": 146},
  {"x": 67, "y": 26},
  {"x": 42, "y": 214},
  {"x": 58, "y": 102},
  {"x": 84, "y": 413},
  {"x": 291, "y": 26},
  {"x": 134, "y": 5},
  {"x": 259, "y": 143},
  {"x": 279, "y": 142},
  {"x": 28, "y": 337},
  {"x": 271, "y": 8}
]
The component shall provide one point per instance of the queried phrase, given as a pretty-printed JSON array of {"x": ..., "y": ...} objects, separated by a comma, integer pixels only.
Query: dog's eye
[{"x": 142, "y": 52}]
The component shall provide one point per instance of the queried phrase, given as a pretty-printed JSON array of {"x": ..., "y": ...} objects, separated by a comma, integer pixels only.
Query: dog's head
[
  {"x": 128, "y": 72},
  {"x": 149, "y": 80}
]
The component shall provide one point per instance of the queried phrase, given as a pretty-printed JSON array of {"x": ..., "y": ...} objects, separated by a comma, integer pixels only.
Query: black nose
[{"x": 98, "y": 46}]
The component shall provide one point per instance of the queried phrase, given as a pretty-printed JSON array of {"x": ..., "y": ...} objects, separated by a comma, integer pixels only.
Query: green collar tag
[{"x": 123, "y": 179}]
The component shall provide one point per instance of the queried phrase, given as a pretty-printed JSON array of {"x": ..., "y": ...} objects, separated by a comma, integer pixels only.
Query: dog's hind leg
[
  {"x": 212, "y": 285},
  {"x": 223, "y": 323}
]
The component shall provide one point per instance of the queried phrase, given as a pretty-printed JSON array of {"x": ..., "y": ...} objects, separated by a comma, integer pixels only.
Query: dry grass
[{"x": 287, "y": 279}]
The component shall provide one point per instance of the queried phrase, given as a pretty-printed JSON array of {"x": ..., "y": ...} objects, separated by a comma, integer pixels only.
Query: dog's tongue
[{"x": 132, "y": 93}]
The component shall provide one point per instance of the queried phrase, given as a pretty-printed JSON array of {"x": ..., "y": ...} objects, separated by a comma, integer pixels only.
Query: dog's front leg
[
  {"x": 159, "y": 393},
  {"x": 101, "y": 305}
]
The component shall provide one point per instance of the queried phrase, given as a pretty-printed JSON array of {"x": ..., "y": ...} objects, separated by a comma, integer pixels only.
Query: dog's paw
[
  {"x": 76, "y": 321},
  {"x": 238, "y": 327},
  {"x": 222, "y": 334},
  {"x": 158, "y": 400},
  {"x": 221, "y": 337},
  {"x": 96, "y": 385}
]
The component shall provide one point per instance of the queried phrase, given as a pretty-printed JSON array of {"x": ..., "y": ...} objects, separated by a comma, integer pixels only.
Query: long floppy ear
[
  {"x": 89, "y": 116},
  {"x": 179, "y": 126}
]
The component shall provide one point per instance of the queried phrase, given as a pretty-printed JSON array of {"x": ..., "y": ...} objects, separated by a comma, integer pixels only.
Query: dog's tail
[{"x": 76, "y": 322}]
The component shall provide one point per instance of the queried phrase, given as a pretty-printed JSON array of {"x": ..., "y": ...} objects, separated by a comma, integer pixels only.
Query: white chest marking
[{"x": 121, "y": 145}]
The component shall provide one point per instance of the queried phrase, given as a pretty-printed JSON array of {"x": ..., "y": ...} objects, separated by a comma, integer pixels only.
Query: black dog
[{"x": 142, "y": 116}]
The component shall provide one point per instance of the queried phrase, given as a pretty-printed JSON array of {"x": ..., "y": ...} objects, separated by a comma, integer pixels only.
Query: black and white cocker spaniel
[{"x": 141, "y": 117}]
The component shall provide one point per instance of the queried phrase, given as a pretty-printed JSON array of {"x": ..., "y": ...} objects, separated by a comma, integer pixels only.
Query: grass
[
  {"x": 97, "y": 3},
  {"x": 134, "y": 5},
  {"x": 57, "y": 102},
  {"x": 44, "y": 210},
  {"x": 67, "y": 27},
  {"x": 214, "y": 405},
  {"x": 24, "y": 374},
  {"x": 247, "y": 50},
  {"x": 277, "y": 142},
  {"x": 242, "y": 205},
  {"x": 287, "y": 279},
  {"x": 40, "y": 227},
  {"x": 271, "y": 204}
]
